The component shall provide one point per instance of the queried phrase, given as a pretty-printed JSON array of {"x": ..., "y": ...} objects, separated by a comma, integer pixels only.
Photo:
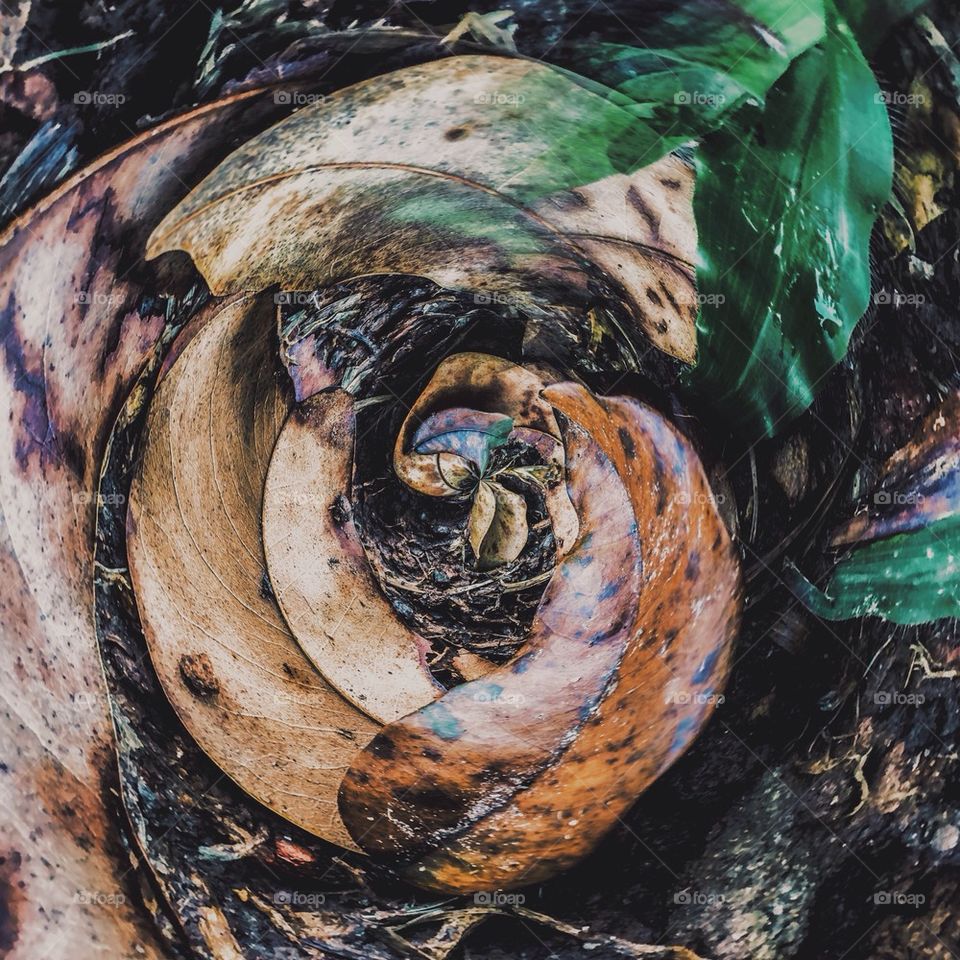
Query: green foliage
[
  {"x": 700, "y": 60},
  {"x": 871, "y": 19},
  {"x": 785, "y": 204},
  {"x": 908, "y": 578}
]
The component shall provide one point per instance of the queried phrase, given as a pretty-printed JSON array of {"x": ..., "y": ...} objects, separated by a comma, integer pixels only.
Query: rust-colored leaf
[{"x": 630, "y": 644}]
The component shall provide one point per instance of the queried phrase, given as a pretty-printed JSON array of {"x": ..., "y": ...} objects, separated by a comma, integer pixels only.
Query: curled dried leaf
[
  {"x": 490, "y": 387},
  {"x": 631, "y": 639},
  {"x": 497, "y": 528},
  {"x": 275, "y": 725},
  {"x": 406, "y": 174}
]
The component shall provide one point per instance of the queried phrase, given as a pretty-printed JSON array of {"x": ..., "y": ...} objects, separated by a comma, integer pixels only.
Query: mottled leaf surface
[
  {"x": 319, "y": 571},
  {"x": 636, "y": 618},
  {"x": 902, "y": 551}
]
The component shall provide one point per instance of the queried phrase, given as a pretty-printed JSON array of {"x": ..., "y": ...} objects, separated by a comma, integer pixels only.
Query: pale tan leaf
[
  {"x": 481, "y": 516},
  {"x": 224, "y": 655},
  {"x": 427, "y": 171},
  {"x": 640, "y": 230},
  {"x": 497, "y": 527},
  {"x": 320, "y": 573}
]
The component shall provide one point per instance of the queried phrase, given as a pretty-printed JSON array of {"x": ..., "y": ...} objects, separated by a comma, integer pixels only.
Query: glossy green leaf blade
[
  {"x": 700, "y": 60},
  {"x": 871, "y": 19},
  {"x": 784, "y": 210},
  {"x": 909, "y": 578}
]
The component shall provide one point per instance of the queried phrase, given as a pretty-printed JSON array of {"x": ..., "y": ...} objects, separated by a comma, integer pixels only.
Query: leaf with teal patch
[
  {"x": 902, "y": 550},
  {"x": 907, "y": 579},
  {"x": 470, "y": 434}
]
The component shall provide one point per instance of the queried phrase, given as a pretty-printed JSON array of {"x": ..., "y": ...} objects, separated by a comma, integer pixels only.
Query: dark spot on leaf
[
  {"x": 340, "y": 510},
  {"x": 266, "y": 588},
  {"x": 10, "y": 899},
  {"x": 196, "y": 671}
]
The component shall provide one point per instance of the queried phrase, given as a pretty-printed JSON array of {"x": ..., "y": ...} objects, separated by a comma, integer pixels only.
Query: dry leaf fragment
[
  {"x": 320, "y": 574},
  {"x": 497, "y": 528}
]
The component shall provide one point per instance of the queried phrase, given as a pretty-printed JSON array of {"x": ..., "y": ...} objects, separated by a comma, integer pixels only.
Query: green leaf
[
  {"x": 784, "y": 210},
  {"x": 902, "y": 547},
  {"x": 703, "y": 59},
  {"x": 909, "y": 578},
  {"x": 871, "y": 19}
]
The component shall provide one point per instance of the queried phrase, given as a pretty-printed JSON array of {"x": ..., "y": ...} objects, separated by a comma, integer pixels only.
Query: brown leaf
[
  {"x": 631, "y": 641},
  {"x": 497, "y": 528},
  {"x": 495, "y": 386},
  {"x": 320, "y": 573},
  {"x": 275, "y": 725},
  {"x": 407, "y": 173}
]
